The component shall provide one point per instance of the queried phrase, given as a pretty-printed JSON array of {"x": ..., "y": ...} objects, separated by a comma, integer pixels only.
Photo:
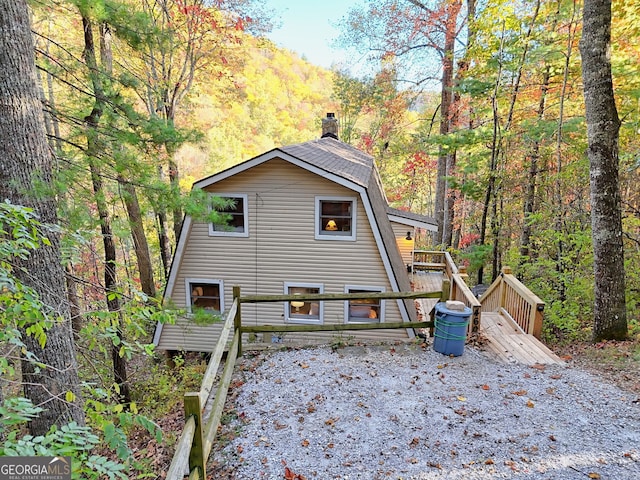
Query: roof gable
[{"x": 326, "y": 156}]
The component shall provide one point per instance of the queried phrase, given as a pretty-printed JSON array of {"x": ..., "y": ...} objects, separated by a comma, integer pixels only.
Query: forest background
[{"x": 475, "y": 115}]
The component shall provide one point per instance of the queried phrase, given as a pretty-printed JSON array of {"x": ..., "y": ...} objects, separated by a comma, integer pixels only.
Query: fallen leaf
[
  {"x": 462, "y": 399},
  {"x": 489, "y": 461},
  {"x": 305, "y": 443},
  {"x": 530, "y": 404},
  {"x": 594, "y": 475},
  {"x": 556, "y": 376},
  {"x": 520, "y": 393},
  {"x": 239, "y": 449},
  {"x": 331, "y": 421},
  {"x": 304, "y": 365},
  {"x": 485, "y": 387},
  {"x": 539, "y": 366},
  {"x": 414, "y": 443},
  {"x": 551, "y": 390}
]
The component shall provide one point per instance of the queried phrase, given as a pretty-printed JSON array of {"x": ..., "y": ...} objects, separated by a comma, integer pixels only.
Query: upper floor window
[
  {"x": 336, "y": 218},
  {"x": 303, "y": 311},
  {"x": 234, "y": 217},
  {"x": 204, "y": 294}
]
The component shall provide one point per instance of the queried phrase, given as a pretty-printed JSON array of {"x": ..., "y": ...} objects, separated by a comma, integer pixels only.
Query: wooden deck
[
  {"x": 499, "y": 337},
  {"x": 425, "y": 281}
]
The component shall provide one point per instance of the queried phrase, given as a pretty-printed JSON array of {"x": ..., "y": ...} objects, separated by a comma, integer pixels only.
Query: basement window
[
  {"x": 205, "y": 294},
  {"x": 303, "y": 311},
  {"x": 366, "y": 310}
]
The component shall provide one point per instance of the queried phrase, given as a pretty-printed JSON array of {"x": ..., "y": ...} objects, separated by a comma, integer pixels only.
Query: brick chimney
[{"x": 330, "y": 126}]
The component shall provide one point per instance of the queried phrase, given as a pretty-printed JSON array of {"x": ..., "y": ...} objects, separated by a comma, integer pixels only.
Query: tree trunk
[
  {"x": 143, "y": 257},
  {"x": 530, "y": 195},
  {"x": 110, "y": 258},
  {"x": 27, "y": 165},
  {"x": 603, "y": 125},
  {"x": 446, "y": 160}
]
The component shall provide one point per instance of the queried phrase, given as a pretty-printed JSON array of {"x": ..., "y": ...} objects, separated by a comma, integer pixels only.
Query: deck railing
[
  {"x": 508, "y": 296},
  {"x": 195, "y": 443},
  {"x": 442, "y": 261},
  {"x": 434, "y": 260}
]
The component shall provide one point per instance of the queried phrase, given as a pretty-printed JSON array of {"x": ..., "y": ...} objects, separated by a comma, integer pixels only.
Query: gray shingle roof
[{"x": 335, "y": 157}]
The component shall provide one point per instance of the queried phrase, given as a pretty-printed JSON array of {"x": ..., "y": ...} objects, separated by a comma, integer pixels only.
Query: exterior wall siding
[
  {"x": 405, "y": 246},
  {"x": 280, "y": 248}
]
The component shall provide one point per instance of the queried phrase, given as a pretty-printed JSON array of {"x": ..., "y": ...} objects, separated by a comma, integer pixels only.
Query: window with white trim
[
  {"x": 366, "y": 310},
  {"x": 235, "y": 217},
  {"x": 303, "y": 311},
  {"x": 205, "y": 294},
  {"x": 335, "y": 218}
]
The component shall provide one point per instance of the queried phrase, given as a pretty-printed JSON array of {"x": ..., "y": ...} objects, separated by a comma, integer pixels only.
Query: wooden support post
[
  {"x": 237, "y": 321},
  {"x": 192, "y": 408},
  {"x": 446, "y": 290}
]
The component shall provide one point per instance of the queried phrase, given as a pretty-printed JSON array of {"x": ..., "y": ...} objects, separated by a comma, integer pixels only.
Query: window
[
  {"x": 364, "y": 310},
  {"x": 234, "y": 216},
  {"x": 303, "y": 311},
  {"x": 205, "y": 294},
  {"x": 335, "y": 218}
]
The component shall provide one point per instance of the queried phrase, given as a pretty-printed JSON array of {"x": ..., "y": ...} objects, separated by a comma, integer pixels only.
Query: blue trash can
[{"x": 450, "y": 329}]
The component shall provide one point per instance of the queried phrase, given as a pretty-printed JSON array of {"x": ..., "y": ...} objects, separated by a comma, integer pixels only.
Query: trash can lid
[{"x": 441, "y": 307}]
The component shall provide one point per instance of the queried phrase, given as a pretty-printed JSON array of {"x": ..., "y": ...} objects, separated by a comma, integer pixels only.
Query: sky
[{"x": 307, "y": 27}]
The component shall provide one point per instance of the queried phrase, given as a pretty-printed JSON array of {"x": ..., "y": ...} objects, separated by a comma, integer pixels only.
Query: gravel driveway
[{"x": 407, "y": 412}]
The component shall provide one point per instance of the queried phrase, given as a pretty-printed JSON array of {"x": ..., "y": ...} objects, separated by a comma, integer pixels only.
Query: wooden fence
[
  {"x": 509, "y": 297},
  {"x": 197, "y": 438}
]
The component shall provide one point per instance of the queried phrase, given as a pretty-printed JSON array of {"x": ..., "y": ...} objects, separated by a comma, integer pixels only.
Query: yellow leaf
[
  {"x": 462, "y": 399},
  {"x": 70, "y": 396},
  {"x": 594, "y": 475}
]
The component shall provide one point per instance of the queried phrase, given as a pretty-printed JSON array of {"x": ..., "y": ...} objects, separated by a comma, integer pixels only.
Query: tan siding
[
  {"x": 280, "y": 248},
  {"x": 405, "y": 246}
]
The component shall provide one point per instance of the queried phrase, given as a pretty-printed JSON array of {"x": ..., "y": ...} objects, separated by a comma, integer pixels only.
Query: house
[{"x": 305, "y": 218}]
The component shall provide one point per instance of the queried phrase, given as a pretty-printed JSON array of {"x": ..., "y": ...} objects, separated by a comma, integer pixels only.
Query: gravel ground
[{"x": 408, "y": 412}]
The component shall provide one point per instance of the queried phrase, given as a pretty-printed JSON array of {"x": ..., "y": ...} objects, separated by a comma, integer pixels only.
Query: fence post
[
  {"x": 237, "y": 321},
  {"x": 196, "y": 455},
  {"x": 502, "y": 293}
]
